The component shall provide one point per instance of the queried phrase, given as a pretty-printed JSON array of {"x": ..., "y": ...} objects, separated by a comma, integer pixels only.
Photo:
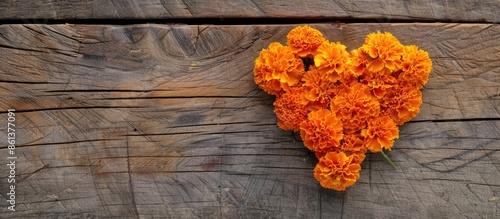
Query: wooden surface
[
  {"x": 165, "y": 121},
  {"x": 380, "y": 10}
]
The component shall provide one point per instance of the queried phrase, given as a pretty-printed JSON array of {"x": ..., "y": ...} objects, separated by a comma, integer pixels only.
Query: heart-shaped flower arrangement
[{"x": 344, "y": 104}]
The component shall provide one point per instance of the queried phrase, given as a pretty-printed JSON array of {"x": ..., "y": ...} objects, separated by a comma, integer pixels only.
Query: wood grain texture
[
  {"x": 158, "y": 121},
  {"x": 379, "y": 10}
]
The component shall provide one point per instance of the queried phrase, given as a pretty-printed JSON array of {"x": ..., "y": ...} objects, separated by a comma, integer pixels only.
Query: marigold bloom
[
  {"x": 318, "y": 89},
  {"x": 379, "y": 83},
  {"x": 290, "y": 109},
  {"x": 336, "y": 171},
  {"x": 351, "y": 144},
  {"x": 416, "y": 66},
  {"x": 331, "y": 59},
  {"x": 380, "y": 133},
  {"x": 321, "y": 131},
  {"x": 384, "y": 50},
  {"x": 304, "y": 40},
  {"x": 401, "y": 103},
  {"x": 355, "y": 106},
  {"x": 277, "y": 69},
  {"x": 358, "y": 59}
]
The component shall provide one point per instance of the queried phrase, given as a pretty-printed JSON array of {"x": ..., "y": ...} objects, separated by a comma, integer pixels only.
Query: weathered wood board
[
  {"x": 381, "y": 10},
  {"x": 165, "y": 121}
]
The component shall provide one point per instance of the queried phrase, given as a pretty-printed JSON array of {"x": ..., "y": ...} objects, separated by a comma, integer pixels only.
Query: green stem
[
  {"x": 293, "y": 136},
  {"x": 388, "y": 159}
]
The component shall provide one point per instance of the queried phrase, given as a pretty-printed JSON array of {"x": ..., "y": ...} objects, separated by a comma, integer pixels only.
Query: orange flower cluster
[{"x": 344, "y": 104}]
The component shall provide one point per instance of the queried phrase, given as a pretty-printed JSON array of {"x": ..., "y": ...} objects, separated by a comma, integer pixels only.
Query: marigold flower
[
  {"x": 277, "y": 69},
  {"x": 351, "y": 144},
  {"x": 337, "y": 171},
  {"x": 318, "y": 89},
  {"x": 379, "y": 83},
  {"x": 416, "y": 66},
  {"x": 401, "y": 103},
  {"x": 304, "y": 41},
  {"x": 384, "y": 50},
  {"x": 358, "y": 59},
  {"x": 331, "y": 59},
  {"x": 380, "y": 133},
  {"x": 290, "y": 109},
  {"x": 355, "y": 106},
  {"x": 321, "y": 131}
]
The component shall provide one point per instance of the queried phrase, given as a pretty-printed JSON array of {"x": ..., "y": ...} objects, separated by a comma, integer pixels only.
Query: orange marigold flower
[
  {"x": 385, "y": 52},
  {"x": 358, "y": 59},
  {"x": 379, "y": 83},
  {"x": 355, "y": 106},
  {"x": 331, "y": 59},
  {"x": 290, "y": 109},
  {"x": 416, "y": 66},
  {"x": 304, "y": 40},
  {"x": 318, "y": 89},
  {"x": 321, "y": 131},
  {"x": 401, "y": 103},
  {"x": 351, "y": 144},
  {"x": 277, "y": 69},
  {"x": 380, "y": 133},
  {"x": 337, "y": 171}
]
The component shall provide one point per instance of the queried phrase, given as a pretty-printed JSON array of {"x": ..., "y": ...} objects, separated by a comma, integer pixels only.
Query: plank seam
[{"x": 233, "y": 21}]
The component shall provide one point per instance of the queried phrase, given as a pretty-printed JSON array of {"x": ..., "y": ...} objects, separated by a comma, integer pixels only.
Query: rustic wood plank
[
  {"x": 165, "y": 121},
  {"x": 379, "y": 10}
]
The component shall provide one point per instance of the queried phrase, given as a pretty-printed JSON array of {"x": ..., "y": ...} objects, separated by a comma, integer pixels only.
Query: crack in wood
[{"x": 236, "y": 21}]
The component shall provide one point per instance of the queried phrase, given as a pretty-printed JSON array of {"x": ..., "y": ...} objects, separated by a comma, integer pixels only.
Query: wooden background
[{"x": 159, "y": 119}]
